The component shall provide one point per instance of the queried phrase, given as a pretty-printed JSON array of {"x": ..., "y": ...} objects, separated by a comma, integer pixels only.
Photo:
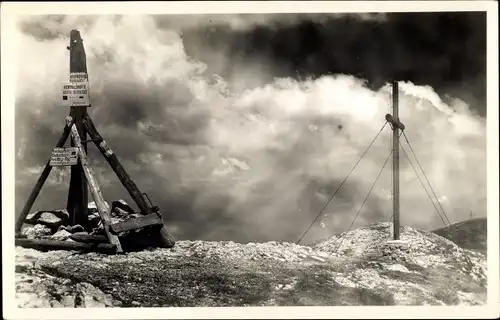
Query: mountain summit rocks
[
  {"x": 52, "y": 219},
  {"x": 433, "y": 271},
  {"x": 54, "y": 225}
]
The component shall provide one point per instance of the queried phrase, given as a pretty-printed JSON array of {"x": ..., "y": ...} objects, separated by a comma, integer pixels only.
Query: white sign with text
[
  {"x": 76, "y": 92},
  {"x": 64, "y": 157}
]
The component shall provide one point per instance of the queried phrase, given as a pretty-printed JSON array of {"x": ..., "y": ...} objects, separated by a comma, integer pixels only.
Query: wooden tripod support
[{"x": 78, "y": 124}]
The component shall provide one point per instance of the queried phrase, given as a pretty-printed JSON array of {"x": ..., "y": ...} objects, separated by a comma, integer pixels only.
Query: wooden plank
[
  {"x": 39, "y": 184},
  {"x": 47, "y": 245},
  {"x": 88, "y": 238},
  {"x": 117, "y": 167},
  {"x": 102, "y": 208},
  {"x": 166, "y": 238},
  {"x": 78, "y": 191},
  {"x": 121, "y": 173},
  {"x": 136, "y": 223},
  {"x": 394, "y": 122}
]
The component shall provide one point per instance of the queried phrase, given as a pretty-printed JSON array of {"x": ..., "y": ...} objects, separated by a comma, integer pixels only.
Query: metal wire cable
[
  {"x": 363, "y": 204},
  {"x": 423, "y": 171},
  {"x": 340, "y": 186},
  {"x": 422, "y": 183}
]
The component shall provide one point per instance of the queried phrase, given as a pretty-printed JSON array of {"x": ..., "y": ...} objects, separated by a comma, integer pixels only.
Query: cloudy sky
[{"x": 240, "y": 127}]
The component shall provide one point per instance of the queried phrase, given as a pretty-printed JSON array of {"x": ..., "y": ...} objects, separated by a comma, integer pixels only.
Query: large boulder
[
  {"x": 37, "y": 231},
  {"x": 60, "y": 235},
  {"x": 52, "y": 219},
  {"x": 71, "y": 229}
]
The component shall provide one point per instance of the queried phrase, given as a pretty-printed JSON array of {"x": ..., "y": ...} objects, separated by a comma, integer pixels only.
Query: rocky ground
[{"x": 358, "y": 270}]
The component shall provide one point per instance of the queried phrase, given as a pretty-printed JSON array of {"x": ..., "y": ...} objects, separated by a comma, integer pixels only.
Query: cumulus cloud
[{"x": 225, "y": 159}]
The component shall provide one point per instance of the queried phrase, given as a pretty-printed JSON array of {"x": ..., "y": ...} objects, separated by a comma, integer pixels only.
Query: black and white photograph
[{"x": 246, "y": 159}]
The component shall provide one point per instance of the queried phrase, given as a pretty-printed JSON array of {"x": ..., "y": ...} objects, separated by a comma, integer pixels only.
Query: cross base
[{"x": 401, "y": 244}]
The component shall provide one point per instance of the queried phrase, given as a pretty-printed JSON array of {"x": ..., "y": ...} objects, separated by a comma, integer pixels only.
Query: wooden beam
[
  {"x": 102, "y": 208},
  {"x": 117, "y": 167},
  {"x": 394, "y": 122},
  {"x": 47, "y": 245},
  {"x": 125, "y": 179},
  {"x": 395, "y": 158},
  {"x": 39, "y": 184},
  {"x": 88, "y": 238},
  {"x": 166, "y": 237},
  {"x": 137, "y": 223},
  {"x": 78, "y": 190}
]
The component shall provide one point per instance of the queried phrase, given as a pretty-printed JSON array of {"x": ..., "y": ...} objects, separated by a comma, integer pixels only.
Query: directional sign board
[
  {"x": 76, "y": 92},
  {"x": 64, "y": 157}
]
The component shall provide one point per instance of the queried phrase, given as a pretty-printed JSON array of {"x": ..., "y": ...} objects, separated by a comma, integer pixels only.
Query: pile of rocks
[
  {"x": 55, "y": 225},
  {"x": 47, "y": 225}
]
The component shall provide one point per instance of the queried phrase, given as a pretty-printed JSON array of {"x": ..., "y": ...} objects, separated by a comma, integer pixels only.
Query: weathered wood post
[
  {"x": 145, "y": 207},
  {"x": 396, "y": 126},
  {"x": 39, "y": 184},
  {"x": 96, "y": 191},
  {"x": 78, "y": 192},
  {"x": 395, "y": 158}
]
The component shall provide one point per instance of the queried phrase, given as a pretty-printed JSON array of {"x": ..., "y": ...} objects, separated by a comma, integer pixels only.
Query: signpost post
[
  {"x": 75, "y": 95},
  {"x": 78, "y": 87}
]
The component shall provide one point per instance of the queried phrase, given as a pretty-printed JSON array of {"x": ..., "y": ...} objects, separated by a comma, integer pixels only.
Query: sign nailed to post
[
  {"x": 76, "y": 92},
  {"x": 78, "y": 77},
  {"x": 64, "y": 157}
]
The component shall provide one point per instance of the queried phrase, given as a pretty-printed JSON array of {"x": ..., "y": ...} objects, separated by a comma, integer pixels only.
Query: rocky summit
[{"x": 355, "y": 268}]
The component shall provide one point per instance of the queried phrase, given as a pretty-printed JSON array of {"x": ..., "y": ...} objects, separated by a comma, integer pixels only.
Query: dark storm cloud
[
  {"x": 444, "y": 50},
  {"x": 162, "y": 109}
]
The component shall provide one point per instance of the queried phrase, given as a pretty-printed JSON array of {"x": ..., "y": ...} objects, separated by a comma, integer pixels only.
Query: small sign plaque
[
  {"x": 64, "y": 157},
  {"x": 78, "y": 77},
  {"x": 76, "y": 92}
]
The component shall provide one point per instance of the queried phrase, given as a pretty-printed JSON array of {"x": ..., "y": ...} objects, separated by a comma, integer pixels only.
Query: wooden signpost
[
  {"x": 75, "y": 95},
  {"x": 78, "y": 192}
]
